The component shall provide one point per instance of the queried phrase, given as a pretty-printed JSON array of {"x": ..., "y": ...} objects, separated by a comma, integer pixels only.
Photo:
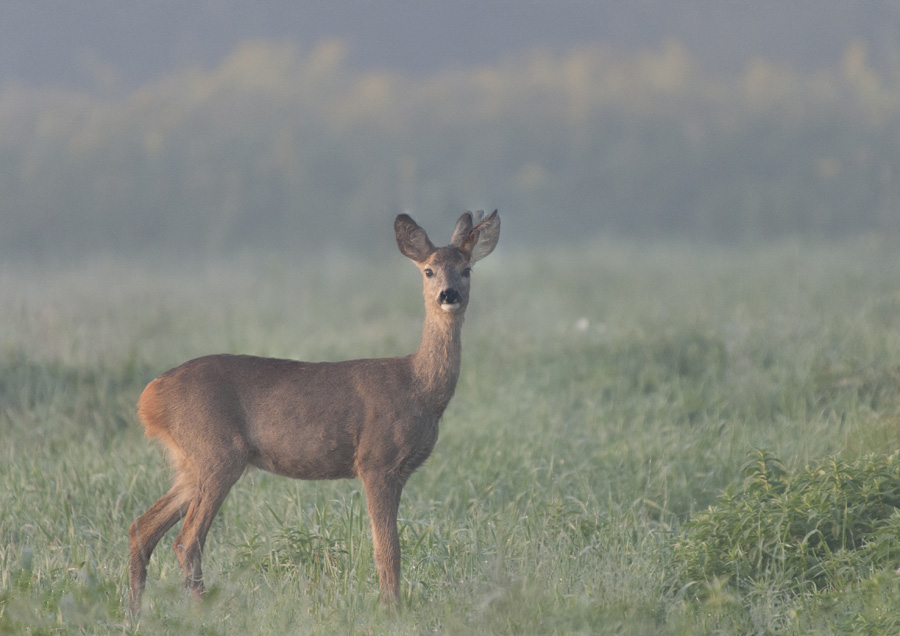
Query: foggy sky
[{"x": 116, "y": 45}]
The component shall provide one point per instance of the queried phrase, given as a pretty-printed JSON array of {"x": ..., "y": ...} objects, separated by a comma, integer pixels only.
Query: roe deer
[{"x": 376, "y": 420}]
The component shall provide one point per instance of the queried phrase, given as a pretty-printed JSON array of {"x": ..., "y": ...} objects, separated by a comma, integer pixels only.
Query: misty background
[{"x": 214, "y": 127}]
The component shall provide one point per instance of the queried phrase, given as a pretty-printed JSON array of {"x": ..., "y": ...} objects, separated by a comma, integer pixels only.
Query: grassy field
[{"x": 609, "y": 397}]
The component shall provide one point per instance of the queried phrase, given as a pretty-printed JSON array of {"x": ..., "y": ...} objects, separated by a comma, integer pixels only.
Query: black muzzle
[{"x": 449, "y": 297}]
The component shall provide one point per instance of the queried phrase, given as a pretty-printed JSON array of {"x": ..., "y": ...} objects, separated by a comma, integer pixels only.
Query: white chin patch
[{"x": 449, "y": 307}]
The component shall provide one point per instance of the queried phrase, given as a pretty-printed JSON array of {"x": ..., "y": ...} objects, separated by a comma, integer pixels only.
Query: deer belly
[{"x": 306, "y": 455}]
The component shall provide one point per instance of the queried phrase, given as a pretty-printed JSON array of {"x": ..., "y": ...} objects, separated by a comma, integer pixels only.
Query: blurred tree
[{"x": 274, "y": 149}]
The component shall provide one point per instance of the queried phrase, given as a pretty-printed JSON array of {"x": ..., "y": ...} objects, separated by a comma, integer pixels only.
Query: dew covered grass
[{"x": 612, "y": 398}]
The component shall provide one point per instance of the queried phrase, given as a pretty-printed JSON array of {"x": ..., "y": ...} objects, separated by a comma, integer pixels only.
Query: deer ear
[
  {"x": 411, "y": 239},
  {"x": 462, "y": 229},
  {"x": 483, "y": 238}
]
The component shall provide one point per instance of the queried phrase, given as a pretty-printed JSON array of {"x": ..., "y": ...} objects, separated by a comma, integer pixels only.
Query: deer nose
[{"x": 449, "y": 297}]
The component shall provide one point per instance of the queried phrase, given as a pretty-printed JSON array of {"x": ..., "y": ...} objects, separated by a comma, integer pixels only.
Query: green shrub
[{"x": 830, "y": 523}]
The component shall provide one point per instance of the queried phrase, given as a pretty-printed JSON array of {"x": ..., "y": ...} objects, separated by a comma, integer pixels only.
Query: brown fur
[{"x": 375, "y": 420}]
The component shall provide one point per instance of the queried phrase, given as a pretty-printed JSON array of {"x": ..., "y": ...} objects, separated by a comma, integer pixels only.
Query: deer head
[{"x": 446, "y": 270}]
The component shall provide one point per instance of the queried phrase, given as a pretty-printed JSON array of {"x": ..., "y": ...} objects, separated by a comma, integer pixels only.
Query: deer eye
[
  {"x": 467, "y": 272},
  {"x": 428, "y": 273}
]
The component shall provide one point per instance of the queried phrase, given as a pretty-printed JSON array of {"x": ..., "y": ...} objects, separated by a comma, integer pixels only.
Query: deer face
[
  {"x": 446, "y": 270},
  {"x": 446, "y": 275}
]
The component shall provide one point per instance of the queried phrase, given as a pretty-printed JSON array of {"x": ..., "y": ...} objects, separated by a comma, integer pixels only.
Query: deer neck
[{"x": 436, "y": 363}]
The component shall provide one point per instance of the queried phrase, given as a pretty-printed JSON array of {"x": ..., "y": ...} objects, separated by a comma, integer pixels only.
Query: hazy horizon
[{"x": 225, "y": 126}]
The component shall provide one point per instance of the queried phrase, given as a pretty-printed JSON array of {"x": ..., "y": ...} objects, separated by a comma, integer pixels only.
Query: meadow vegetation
[{"x": 646, "y": 439}]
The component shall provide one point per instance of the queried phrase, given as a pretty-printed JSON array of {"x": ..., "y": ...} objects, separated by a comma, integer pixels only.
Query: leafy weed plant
[{"x": 832, "y": 523}]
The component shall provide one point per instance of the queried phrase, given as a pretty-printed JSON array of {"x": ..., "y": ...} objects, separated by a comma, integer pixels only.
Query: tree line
[{"x": 276, "y": 148}]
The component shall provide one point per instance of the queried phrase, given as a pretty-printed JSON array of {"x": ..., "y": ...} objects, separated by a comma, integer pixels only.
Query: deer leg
[
  {"x": 190, "y": 541},
  {"x": 146, "y": 532},
  {"x": 383, "y": 501}
]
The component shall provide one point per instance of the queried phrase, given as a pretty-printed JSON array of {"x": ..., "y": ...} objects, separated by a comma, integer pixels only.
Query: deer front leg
[{"x": 383, "y": 501}]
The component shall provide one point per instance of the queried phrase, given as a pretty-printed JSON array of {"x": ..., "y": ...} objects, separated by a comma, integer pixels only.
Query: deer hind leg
[
  {"x": 204, "y": 505},
  {"x": 145, "y": 534},
  {"x": 383, "y": 501}
]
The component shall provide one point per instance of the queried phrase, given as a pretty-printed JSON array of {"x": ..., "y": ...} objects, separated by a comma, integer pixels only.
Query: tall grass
[{"x": 608, "y": 396}]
